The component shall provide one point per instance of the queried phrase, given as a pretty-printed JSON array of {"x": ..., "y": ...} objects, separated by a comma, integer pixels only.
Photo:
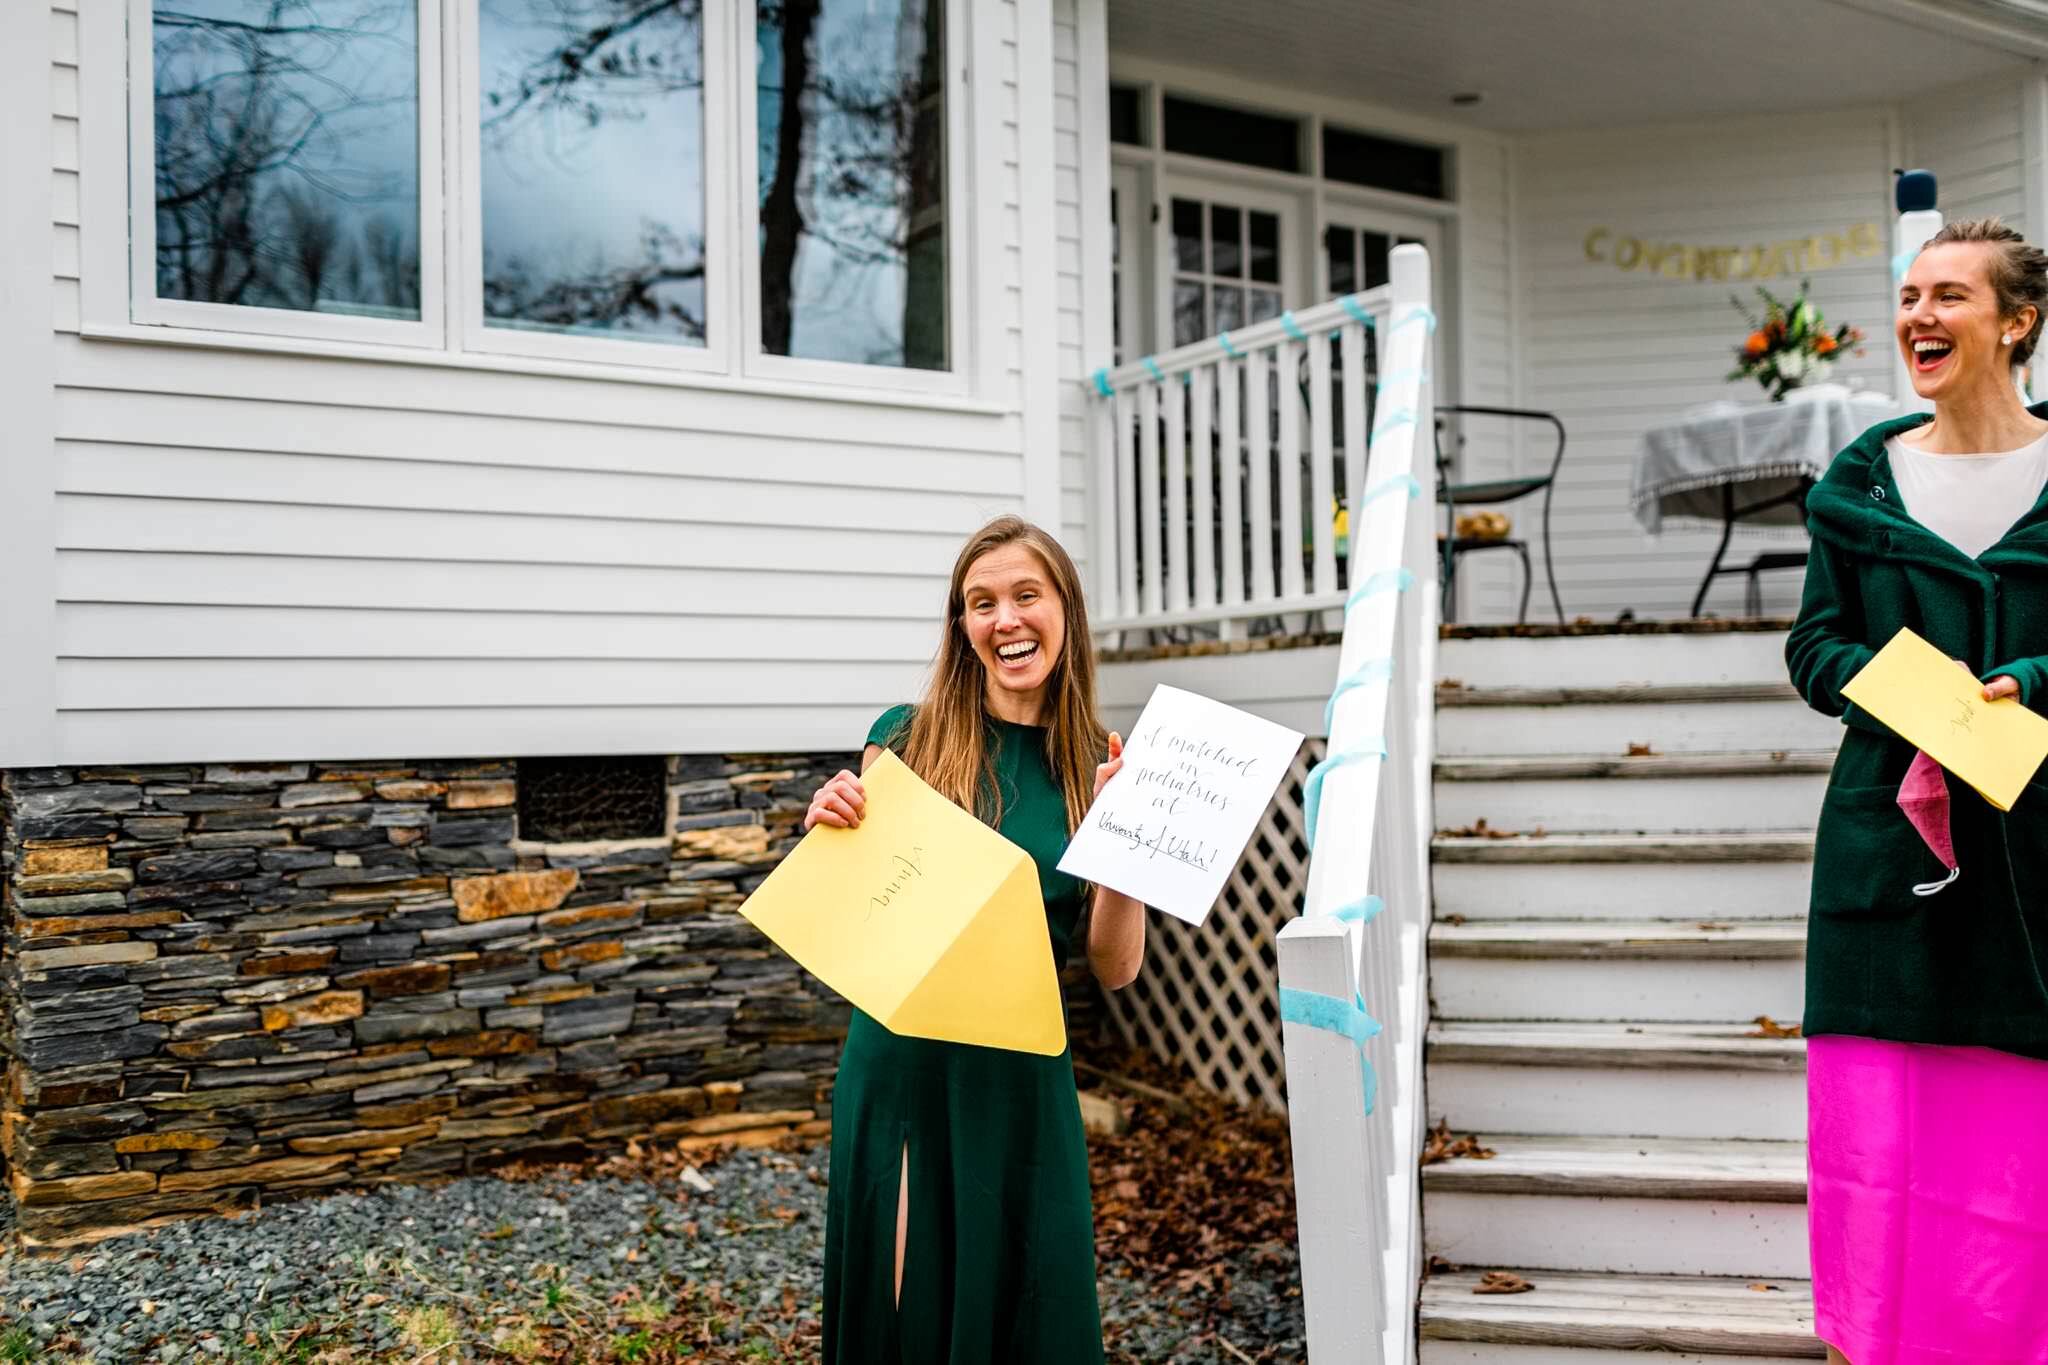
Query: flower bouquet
[{"x": 1789, "y": 345}]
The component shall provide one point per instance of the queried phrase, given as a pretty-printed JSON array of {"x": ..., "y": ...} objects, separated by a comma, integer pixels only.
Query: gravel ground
[{"x": 632, "y": 1261}]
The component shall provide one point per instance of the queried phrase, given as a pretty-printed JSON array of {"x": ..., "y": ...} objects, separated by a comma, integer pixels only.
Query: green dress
[{"x": 999, "y": 1261}]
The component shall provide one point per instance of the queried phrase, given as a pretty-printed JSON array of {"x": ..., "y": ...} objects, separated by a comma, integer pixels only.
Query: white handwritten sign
[{"x": 1171, "y": 825}]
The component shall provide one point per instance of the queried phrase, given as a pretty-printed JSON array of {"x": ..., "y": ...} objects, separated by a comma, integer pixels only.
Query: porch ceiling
[{"x": 1562, "y": 64}]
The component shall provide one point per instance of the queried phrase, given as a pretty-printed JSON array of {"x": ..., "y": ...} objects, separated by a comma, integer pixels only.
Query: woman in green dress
[{"x": 958, "y": 1223}]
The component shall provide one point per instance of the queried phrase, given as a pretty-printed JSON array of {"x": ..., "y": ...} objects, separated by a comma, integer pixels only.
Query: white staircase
[{"x": 1594, "y": 995}]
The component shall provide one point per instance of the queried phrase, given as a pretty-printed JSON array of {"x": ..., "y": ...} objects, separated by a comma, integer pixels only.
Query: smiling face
[
  {"x": 1948, "y": 324},
  {"x": 1016, "y": 622}
]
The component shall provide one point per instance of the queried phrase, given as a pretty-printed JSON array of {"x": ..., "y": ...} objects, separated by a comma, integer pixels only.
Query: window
[
  {"x": 591, "y": 170},
  {"x": 567, "y": 800},
  {"x": 288, "y": 166},
  {"x": 851, "y": 175},
  {"x": 1384, "y": 163},
  {"x": 602, "y": 169},
  {"x": 1127, "y": 115},
  {"x": 1224, "y": 134},
  {"x": 1226, "y": 267}
]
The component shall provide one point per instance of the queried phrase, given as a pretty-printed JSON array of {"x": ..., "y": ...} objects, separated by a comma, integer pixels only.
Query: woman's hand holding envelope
[{"x": 840, "y": 803}]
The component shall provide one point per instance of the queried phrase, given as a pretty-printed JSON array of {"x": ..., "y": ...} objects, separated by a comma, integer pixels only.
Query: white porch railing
[{"x": 1211, "y": 507}]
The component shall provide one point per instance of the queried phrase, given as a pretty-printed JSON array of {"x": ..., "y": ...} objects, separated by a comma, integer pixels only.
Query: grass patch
[{"x": 426, "y": 1329}]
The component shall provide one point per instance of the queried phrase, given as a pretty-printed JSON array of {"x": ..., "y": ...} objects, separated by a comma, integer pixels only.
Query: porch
[
  {"x": 1565, "y": 909},
  {"x": 1267, "y": 159}
]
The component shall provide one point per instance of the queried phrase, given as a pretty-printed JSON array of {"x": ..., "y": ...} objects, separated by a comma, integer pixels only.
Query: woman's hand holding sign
[{"x": 1105, "y": 771}]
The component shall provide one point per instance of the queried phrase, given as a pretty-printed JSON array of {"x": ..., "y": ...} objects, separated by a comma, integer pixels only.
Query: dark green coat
[{"x": 1970, "y": 965}]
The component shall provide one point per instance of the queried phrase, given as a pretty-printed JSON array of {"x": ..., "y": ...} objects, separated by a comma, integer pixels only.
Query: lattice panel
[{"x": 1209, "y": 997}]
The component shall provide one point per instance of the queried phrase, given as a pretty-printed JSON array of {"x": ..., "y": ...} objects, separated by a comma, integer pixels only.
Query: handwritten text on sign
[{"x": 1171, "y": 825}]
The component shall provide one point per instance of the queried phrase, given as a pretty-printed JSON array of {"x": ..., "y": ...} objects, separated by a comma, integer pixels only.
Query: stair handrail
[{"x": 1354, "y": 996}]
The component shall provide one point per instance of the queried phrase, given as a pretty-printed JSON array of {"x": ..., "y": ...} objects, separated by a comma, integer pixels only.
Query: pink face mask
[{"x": 1924, "y": 798}]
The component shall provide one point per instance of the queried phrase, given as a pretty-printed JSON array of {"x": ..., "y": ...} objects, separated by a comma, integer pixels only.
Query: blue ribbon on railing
[
  {"x": 1312, "y": 790},
  {"x": 1102, "y": 383},
  {"x": 1402, "y": 376},
  {"x": 1346, "y": 1018},
  {"x": 1291, "y": 327},
  {"x": 1361, "y": 911},
  {"x": 1151, "y": 364},
  {"x": 1371, "y": 671},
  {"x": 1402, "y": 482},
  {"x": 1229, "y": 346},
  {"x": 1386, "y": 580},
  {"x": 1391, "y": 418},
  {"x": 1357, "y": 311},
  {"x": 1416, "y": 314}
]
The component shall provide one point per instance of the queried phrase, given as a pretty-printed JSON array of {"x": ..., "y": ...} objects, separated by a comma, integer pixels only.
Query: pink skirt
[{"x": 1928, "y": 1202}]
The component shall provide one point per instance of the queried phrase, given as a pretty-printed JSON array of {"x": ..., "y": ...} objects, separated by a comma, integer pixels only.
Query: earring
[{"x": 2008, "y": 340}]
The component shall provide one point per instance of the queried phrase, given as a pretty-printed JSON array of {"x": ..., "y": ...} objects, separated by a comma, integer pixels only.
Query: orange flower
[
  {"x": 1758, "y": 343},
  {"x": 1824, "y": 345}
]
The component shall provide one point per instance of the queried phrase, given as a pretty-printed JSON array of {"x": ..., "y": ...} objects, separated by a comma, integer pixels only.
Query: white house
[{"x": 471, "y": 464}]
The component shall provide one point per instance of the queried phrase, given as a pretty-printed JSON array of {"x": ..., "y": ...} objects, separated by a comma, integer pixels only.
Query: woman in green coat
[
  {"x": 958, "y": 1224},
  {"x": 1927, "y": 958}
]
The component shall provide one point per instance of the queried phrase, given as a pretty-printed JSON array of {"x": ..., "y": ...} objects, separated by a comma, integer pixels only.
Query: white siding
[
  {"x": 1483, "y": 285},
  {"x": 1068, "y": 212},
  {"x": 263, "y": 555},
  {"x": 1970, "y": 137},
  {"x": 1614, "y": 352}
]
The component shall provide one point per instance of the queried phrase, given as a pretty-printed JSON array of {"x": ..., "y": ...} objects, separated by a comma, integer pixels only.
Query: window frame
[
  {"x": 1245, "y": 195},
  {"x": 148, "y": 308},
  {"x": 473, "y": 332},
  {"x": 961, "y": 188},
  {"x": 119, "y": 301}
]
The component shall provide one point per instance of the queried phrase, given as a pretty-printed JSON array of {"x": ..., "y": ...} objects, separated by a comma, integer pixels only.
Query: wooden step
[
  {"x": 1622, "y": 890},
  {"x": 1769, "y": 790},
  {"x": 1454, "y": 693},
  {"x": 1634, "y": 971},
  {"x": 1617, "y": 1046},
  {"x": 1629, "y": 1168},
  {"x": 1568, "y": 1313},
  {"x": 1646, "y": 767},
  {"x": 1611, "y": 726},
  {"x": 1611, "y": 939},
  {"x": 1617, "y": 1079},
  {"x": 1723, "y": 846},
  {"x": 1621, "y": 660},
  {"x": 1659, "y": 1206}
]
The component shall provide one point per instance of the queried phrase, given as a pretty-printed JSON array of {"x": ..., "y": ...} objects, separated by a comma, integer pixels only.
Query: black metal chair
[{"x": 1491, "y": 492}]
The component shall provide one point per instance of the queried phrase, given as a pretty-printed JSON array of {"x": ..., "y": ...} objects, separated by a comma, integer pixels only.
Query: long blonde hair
[{"x": 947, "y": 744}]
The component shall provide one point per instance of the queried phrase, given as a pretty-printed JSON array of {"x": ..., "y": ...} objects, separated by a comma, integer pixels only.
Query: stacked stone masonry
[{"x": 223, "y": 983}]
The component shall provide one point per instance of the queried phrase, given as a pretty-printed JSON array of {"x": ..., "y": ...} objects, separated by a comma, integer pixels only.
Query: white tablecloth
[{"x": 1765, "y": 448}]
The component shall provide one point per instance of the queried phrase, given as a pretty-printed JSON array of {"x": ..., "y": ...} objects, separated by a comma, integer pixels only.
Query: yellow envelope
[
  {"x": 1936, "y": 705},
  {"x": 924, "y": 917}
]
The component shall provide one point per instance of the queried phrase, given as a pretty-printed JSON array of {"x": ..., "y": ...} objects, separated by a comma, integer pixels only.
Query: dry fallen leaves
[
  {"x": 1759, "y": 1287},
  {"x": 1443, "y": 1145},
  {"x": 1502, "y": 1282},
  {"x": 1187, "y": 1189},
  {"x": 1767, "y": 1027},
  {"x": 1641, "y": 751}
]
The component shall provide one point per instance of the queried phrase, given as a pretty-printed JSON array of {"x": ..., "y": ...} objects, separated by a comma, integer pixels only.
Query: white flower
[{"x": 1791, "y": 364}]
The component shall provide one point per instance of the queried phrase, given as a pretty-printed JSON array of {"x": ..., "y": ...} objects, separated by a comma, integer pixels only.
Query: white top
[{"x": 1970, "y": 501}]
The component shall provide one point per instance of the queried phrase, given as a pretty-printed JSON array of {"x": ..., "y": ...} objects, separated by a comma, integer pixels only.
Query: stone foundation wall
[{"x": 225, "y": 982}]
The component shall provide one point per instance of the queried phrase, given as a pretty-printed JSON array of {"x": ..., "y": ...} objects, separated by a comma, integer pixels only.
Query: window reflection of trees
[
  {"x": 592, "y": 132},
  {"x": 287, "y": 171},
  {"x": 287, "y": 166},
  {"x": 853, "y": 180}
]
